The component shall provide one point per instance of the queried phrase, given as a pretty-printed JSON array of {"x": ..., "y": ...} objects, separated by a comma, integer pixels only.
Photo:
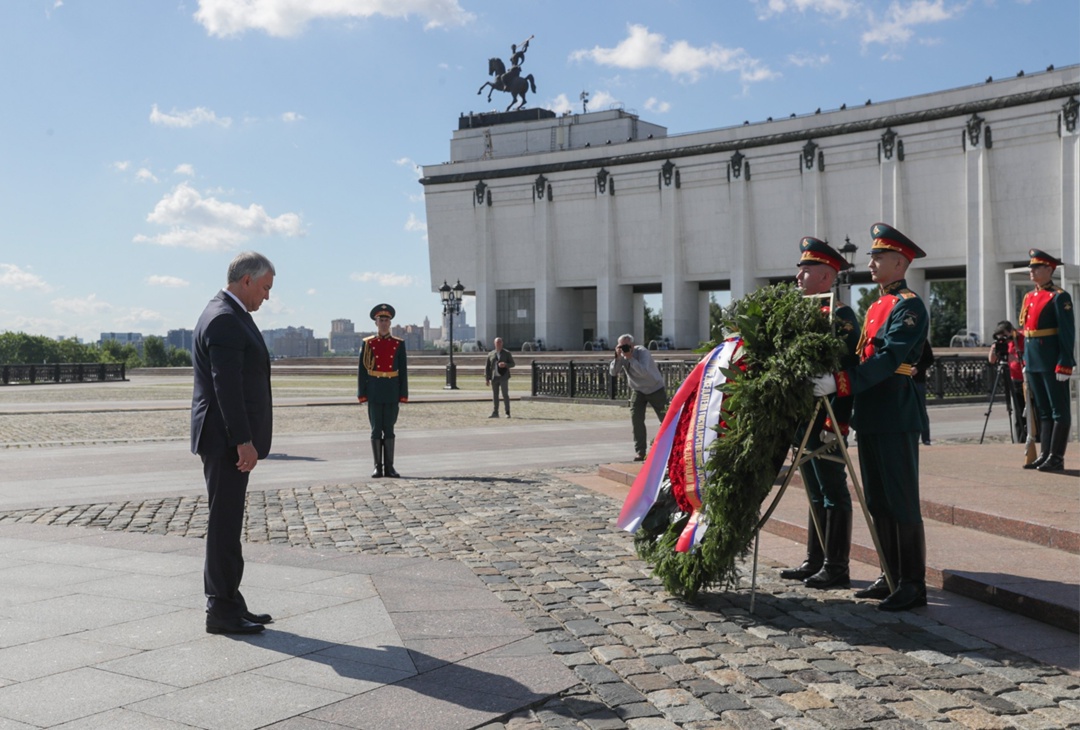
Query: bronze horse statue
[{"x": 510, "y": 81}]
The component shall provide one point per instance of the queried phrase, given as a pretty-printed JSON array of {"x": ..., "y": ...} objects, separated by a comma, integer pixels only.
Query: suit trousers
[
  {"x": 638, "y": 400},
  {"x": 500, "y": 384},
  {"x": 223, "y": 570}
]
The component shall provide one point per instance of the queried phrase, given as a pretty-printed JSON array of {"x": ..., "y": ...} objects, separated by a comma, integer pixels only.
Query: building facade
[{"x": 560, "y": 225}]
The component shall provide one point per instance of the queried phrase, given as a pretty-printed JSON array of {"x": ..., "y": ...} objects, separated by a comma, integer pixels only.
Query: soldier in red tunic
[
  {"x": 889, "y": 420},
  {"x": 1049, "y": 324},
  {"x": 383, "y": 383}
]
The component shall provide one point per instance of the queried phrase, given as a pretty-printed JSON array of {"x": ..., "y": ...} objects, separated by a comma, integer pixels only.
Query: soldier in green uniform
[
  {"x": 1049, "y": 326},
  {"x": 826, "y": 566},
  {"x": 888, "y": 418},
  {"x": 383, "y": 383}
]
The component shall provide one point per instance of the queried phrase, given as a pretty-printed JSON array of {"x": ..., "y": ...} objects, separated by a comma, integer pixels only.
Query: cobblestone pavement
[{"x": 646, "y": 661}]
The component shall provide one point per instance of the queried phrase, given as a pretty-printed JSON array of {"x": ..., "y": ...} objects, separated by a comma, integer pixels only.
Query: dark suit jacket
[
  {"x": 231, "y": 403},
  {"x": 491, "y": 369}
]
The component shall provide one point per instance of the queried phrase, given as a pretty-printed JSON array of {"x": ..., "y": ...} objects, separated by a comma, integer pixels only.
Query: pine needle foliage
[{"x": 786, "y": 341}]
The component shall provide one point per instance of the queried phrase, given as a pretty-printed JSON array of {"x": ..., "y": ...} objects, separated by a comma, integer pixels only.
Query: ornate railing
[
  {"x": 950, "y": 377},
  {"x": 591, "y": 380},
  {"x": 93, "y": 372}
]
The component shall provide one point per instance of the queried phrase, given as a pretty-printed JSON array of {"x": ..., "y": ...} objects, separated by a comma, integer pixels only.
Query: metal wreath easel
[{"x": 802, "y": 456}]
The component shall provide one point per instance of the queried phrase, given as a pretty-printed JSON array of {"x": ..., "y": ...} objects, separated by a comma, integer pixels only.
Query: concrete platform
[{"x": 104, "y": 630}]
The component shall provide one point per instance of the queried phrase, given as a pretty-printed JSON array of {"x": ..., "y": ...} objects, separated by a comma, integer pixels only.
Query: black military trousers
[{"x": 226, "y": 487}]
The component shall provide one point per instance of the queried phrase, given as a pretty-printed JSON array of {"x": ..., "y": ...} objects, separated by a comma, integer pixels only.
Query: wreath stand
[{"x": 801, "y": 456}]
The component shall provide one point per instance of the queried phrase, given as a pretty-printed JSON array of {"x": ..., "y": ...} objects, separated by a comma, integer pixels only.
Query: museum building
[{"x": 560, "y": 225}]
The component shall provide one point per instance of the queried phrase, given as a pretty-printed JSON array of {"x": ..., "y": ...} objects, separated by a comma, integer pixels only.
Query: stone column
[
  {"x": 614, "y": 301},
  {"x": 679, "y": 296}
]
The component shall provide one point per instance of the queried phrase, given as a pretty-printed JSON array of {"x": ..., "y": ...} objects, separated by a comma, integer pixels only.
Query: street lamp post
[
  {"x": 451, "y": 305},
  {"x": 848, "y": 252}
]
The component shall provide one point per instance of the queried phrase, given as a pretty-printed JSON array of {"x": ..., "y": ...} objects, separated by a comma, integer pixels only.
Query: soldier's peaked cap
[
  {"x": 382, "y": 309},
  {"x": 1041, "y": 258},
  {"x": 816, "y": 251},
  {"x": 887, "y": 238}
]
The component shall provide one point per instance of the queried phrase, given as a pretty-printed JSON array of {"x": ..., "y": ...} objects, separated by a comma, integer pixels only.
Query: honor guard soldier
[
  {"x": 889, "y": 419},
  {"x": 382, "y": 382},
  {"x": 1049, "y": 325},
  {"x": 826, "y": 566}
]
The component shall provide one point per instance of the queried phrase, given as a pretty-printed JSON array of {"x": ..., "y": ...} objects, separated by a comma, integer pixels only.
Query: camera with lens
[
  {"x": 1003, "y": 335},
  {"x": 626, "y": 348}
]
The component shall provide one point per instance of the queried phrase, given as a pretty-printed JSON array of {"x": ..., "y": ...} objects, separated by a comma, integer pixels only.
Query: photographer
[
  {"x": 1008, "y": 348},
  {"x": 646, "y": 386}
]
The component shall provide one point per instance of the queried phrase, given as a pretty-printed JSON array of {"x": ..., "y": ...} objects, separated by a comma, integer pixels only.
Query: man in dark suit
[
  {"x": 231, "y": 427},
  {"x": 497, "y": 374},
  {"x": 889, "y": 420}
]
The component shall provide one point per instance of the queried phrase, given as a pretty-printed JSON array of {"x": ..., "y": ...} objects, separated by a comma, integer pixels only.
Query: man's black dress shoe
[
  {"x": 238, "y": 625},
  {"x": 258, "y": 618}
]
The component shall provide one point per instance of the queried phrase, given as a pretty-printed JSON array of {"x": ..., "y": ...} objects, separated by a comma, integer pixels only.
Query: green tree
[
  {"x": 113, "y": 351},
  {"x": 654, "y": 325},
  {"x": 948, "y": 310},
  {"x": 716, "y": 318},
  {"x": 179, "y": 358},
  {"x": 869, "y": 296},
  {"x": 154, "y": 353}
]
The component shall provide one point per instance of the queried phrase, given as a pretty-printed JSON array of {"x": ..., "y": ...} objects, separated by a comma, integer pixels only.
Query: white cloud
[
  {"x": 407, "y": 162},
  {"x": 560, "y": 105},
  {"x": 144, "y": 175},
  {"x": 312, "y": 292},
  {"x": 414, "y": 224},
  {"x": 170, "y": 282},
  {"x": 185, "y": 168},
  {"x": 898, "y": 25},
  {"x": 602, "y": 100},
  {"x": 654, "y": 105},
  {"x": 398, "y": 280},
  {"x": 13, "y": 277},
  {"x": 136, "y": 316},
  {"x": 806, "y": 60},
  {"x": 213, "y": 225},
  {"x": 121, "y": 165},
  {"x": 87, "y": 305},
  {"x": 836, "y": 8},
  {"x": 290, "y": 117},
  {"x": 644, "y": 50},
  {"x": 283, "y": 18},
  {"x": 187, "y": 119}
]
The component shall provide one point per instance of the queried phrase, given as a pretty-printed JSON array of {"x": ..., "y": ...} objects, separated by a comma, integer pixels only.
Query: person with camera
[
  {"x": 1049, "y": 324},
  {"x": 1008, "y": 349},
  {"x": 646, "y": 387},
  {"x": 826, "y": 565}
]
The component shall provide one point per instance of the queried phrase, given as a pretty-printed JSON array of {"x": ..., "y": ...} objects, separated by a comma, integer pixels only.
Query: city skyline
[{"x": 150, "y": 142}]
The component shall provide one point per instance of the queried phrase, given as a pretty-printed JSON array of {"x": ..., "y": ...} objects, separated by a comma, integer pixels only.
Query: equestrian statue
[{"x": 510, "y": 81}]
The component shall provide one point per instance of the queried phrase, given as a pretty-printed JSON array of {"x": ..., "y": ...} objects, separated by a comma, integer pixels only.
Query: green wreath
[{"x": 786, "y": 341}]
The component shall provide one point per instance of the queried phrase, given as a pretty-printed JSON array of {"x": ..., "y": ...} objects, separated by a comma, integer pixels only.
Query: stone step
[{"x": 995, "y": 533}]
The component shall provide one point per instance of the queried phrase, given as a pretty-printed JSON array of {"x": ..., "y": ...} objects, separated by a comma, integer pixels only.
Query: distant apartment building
[
  {"x": 124, "y": 338},
  {"x": 293, "y": 342},
  {"x": 344, "y": 339},
  {"x": 181, "y": 340},
  {"x": 412, "y": 334}
]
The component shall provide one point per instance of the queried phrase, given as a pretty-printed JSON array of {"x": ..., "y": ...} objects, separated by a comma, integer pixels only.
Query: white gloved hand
[
  {"x": 1062, "y": 377},
  {"x": 827, "y": 436},
  {"x": 824, "y": 384}
]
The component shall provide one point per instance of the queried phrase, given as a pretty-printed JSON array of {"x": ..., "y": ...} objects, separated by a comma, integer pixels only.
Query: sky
[{"x": 143, "y": 143}]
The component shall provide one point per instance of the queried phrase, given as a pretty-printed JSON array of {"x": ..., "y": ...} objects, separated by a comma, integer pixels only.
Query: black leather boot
[
  {"x": 1046, "y": 434},
  {"x": 1058, "y": 440},
  {"x": 376, "y": 452},
  {"x": 388, "y": 457},
  {"x": 911, "y": 590},
  {"x": 886, "y": 532},
  {"x": 834, "y": 572},
  {"x": 815, "y": 554}
]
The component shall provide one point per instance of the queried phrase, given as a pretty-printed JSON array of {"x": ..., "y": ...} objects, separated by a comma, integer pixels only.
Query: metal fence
[
  {"x": 952, "y": 377},
  {"x": 94, "y": 372}
]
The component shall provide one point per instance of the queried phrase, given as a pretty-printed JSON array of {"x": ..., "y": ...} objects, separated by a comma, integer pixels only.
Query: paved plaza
[{"x": 488, "y": 589}]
